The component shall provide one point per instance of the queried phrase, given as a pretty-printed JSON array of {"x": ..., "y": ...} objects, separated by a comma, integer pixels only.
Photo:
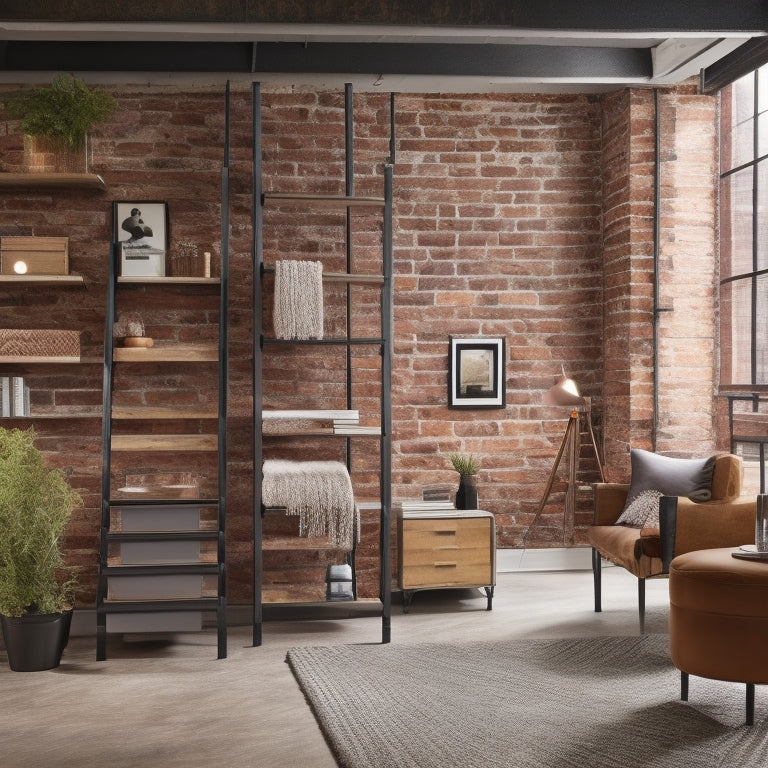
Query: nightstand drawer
[
  {"x": 448, "y": 572},
  {"x": 445, "y": 533}
]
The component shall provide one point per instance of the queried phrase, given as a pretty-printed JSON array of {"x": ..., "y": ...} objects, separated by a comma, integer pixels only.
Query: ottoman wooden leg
[
  {"x": 683, "y": 686},
  {"x": 750, "y": 703}
]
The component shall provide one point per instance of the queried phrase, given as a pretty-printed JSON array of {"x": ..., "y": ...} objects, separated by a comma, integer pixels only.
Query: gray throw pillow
[
  {"x": 642, "y": 512},
  {"x": 670, "y": 476}
]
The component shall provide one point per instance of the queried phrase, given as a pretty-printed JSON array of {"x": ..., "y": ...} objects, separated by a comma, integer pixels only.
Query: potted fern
[
  {"x": 467, "y": 467},
  {"x": 36, "y": 590},
  {"x": 56, "y": 119}
]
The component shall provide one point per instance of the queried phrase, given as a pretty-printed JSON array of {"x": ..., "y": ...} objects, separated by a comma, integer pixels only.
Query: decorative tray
[{"x": 749, "y": 552}]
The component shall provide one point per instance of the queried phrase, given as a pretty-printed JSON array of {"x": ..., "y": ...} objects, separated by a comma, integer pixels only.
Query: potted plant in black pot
[
  {"x": 56, "y": 120},
  {"x": 467, "y": 467},
  {"x": 36, "y": 590}
]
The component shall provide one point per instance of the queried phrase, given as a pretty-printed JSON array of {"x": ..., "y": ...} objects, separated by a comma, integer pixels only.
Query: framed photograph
[
  {"x": 141, "y": 229},
  {"x": 476, "y": 373}
]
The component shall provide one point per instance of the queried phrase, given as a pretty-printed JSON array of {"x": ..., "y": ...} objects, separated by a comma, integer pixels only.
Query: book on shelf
[
  {"x": 419, "y": 506},
  {"x": 5, "y": 395},
  {"x": 14, "y": 396},
  {"x": 355, "y": 429},
  {"x": 314, "y": 414}
]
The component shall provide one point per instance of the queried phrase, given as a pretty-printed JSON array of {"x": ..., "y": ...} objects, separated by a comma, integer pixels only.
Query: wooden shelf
[
  {"x": 51, "y": 180},
  {"x": 321, "y": 201},
  {"x": 135, "y": 280},
  {"x": 153, "y": 413},
  {"x": 293, "y": 543},
  {"x": 63, "y": 413},
  {"x": 21, "y": 360},
  {"x": 193, "y": 353},
  {"x": 176, "y": 443},
  {"x": 57, "y": 280},
  {"x": 38, "y": 359}
]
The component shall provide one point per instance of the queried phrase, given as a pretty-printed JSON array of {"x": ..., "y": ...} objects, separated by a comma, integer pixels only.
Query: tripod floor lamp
[{"x": 565, "y": 393}]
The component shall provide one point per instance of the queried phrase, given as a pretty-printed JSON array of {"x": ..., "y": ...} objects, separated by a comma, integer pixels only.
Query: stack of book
[
  {"x": 434, "y": 499},
  {"x": 313, "y": 422},
  {"x": 14, "y": 396}
]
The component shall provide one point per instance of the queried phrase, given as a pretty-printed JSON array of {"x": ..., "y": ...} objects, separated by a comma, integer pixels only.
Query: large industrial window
[{"x": 744, "y": 232}]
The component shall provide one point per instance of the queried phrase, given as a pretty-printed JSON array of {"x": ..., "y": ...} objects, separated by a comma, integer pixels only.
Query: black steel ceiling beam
[
  {"x": 605, "y": 15},
  {"x": 745, "y": 59},
  {"x": 328, "y": 58}
]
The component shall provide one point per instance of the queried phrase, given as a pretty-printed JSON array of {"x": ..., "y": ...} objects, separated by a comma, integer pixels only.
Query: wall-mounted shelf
[
  {"x": 57, "y": 280},
  {"x": 51, "y": 180},
  {"x": 22, "y": 360},
  {"x": 15, "y": 359}
]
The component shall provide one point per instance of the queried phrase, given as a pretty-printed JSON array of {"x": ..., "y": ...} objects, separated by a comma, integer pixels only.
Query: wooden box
[{"x": 40, "y": 255}]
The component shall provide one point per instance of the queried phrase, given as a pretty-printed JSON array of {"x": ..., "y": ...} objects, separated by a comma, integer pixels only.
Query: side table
[{"x": 451, "y": 549}]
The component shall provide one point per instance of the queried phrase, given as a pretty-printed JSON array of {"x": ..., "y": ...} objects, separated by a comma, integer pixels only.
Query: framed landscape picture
[{"x": 476, "y": 373}]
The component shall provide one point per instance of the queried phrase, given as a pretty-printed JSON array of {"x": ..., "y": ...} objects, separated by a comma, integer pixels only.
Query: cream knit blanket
[
  {"x": 319, "y": 492},
  {"x": 298, "y": 310}
]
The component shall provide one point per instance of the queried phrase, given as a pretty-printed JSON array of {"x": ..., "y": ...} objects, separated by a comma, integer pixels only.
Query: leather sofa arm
[
  {"x": 610, "y": 499},
  {"x": 686, "y": 526}
]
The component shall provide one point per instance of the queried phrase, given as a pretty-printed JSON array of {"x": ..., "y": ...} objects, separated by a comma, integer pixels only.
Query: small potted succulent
[
  {"x": 467, "y": 467},
  {"x": 36, "y": 590}
]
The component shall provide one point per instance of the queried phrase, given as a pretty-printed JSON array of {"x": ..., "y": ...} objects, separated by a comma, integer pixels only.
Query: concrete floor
[{"x": 161, "y": 704}]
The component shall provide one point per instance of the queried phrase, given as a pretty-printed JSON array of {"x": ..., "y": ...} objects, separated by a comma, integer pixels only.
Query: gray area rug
[{"x": 611, "y": 702}]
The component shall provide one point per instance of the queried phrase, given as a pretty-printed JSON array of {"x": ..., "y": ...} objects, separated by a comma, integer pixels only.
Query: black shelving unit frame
[
  {"x": 383, "y": 342},
  {"x": 217, "y": 603}
]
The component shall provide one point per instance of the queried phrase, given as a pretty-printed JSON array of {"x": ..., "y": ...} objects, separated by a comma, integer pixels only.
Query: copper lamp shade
[{"x": 564, "y": 392}]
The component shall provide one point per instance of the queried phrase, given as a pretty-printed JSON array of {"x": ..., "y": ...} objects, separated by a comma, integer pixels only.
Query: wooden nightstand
[{"x": 446, "y": 550}]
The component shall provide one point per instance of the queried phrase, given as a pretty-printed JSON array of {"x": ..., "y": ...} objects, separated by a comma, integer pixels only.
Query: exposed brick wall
[
  {"x": 528, "y": 217},
  {"x": 686, "y": 304}
]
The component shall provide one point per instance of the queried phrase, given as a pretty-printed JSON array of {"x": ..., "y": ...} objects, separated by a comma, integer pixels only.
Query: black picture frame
[
  {"x": 476, "y": 369},
  {"x": 140, "y": 228}
]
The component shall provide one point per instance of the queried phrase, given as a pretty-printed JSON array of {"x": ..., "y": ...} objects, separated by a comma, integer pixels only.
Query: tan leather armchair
[{"x": 726, "y": 520}]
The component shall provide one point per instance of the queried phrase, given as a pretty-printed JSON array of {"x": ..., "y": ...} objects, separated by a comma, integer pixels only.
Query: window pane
[
  {"x": 761, "y": 330},
  {"x": 762, "y": 215},
  {"x": 762, "y": 89},
  {"x": 736, "y": 332},
  {"x": 736, "y": 224},
  {"x": 742, "y": 116}
]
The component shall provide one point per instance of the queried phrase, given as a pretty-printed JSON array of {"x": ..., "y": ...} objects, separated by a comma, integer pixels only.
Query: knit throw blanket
[
  {"x": 319, "y": 492},
  {"x": 298, "y": 310}
]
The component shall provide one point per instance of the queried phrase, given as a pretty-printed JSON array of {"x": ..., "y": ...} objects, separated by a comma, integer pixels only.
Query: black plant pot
[
  {"x": 35, "y": 641},
  {"x": 466, "y": 496}
]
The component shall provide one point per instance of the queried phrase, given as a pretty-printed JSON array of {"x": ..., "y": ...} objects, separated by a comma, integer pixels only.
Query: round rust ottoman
[{"x": 718, "y": 619}]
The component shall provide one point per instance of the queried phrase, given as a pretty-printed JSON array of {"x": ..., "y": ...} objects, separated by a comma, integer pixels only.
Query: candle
[{"x": 207, "y": 262}]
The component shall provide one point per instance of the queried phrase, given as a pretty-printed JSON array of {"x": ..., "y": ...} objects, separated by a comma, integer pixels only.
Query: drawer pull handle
[
  {"x": 446, "y": 532},
  {"x": 445, "y": 564}
]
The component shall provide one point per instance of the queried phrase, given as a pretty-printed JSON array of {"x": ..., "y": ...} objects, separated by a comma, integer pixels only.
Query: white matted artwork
[
  {"x": 141, "y": 230},
  {"x": 476, "y": 373}
]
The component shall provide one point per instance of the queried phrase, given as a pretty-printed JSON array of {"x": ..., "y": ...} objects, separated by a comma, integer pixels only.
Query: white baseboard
[{"x": 555, "y": 559}]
